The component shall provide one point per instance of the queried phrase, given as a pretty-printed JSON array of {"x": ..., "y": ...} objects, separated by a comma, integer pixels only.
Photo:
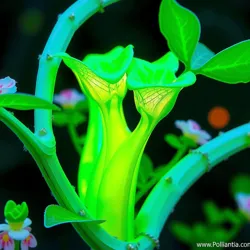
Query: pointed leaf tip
[{"x": 55, "y": 215}]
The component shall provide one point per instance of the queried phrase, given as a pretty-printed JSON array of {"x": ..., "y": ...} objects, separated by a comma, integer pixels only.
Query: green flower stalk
[
  {"x": 104, "y": 84},
  {"x": 156, "y": 89}
]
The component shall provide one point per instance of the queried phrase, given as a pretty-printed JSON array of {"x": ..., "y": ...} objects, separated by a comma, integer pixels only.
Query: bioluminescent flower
[
  {"x": 6, "y": 242},
  {"x": 68, "y": 98},
  {"x": 155, "y": 85},
  {"x": 193, "y": 131},
  {"x": 243, "y": 202},
  {"x": 101, "y": 75},
  {"x": 16, "y": 219},
  {"x": 7, "y": 86},
  {"x": 29, "y": 242}
]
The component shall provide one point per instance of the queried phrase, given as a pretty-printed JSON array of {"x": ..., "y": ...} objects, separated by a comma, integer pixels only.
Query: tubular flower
[
  {"x": 7, "y": 86},
  {"x": 6, "y": 242},
  {"x": 193, "y": 131},
  {"x": 155, "y": 85},
  {"x": 243, "y": 202},
  {"x": 68, "y": 98},
  {"x": 101, "y": 76}
]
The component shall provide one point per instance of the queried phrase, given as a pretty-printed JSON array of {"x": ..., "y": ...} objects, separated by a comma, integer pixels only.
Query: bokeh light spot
[
  {"x": 218, "y": 117},
  {"x": 31, "y": 21}
]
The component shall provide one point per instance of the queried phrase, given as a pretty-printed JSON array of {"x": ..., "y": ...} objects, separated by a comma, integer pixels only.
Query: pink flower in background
[
  {"x": 7, "y": 85},
  {"x": 192, "y": 130},
  {"x": 68, "y": 98},
  {"x": 29, "y": 242},
  {"x": 6, "y": 243},
  {"x": 243, "y": 202}
]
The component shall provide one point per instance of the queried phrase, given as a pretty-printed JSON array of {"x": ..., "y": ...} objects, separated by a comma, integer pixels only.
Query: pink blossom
[
  {"x": 6, "y": 243},
  {"x": 192, "y": 130},
  {"x": 68, "y": 98},
  {"x": 7, "y": 85}
]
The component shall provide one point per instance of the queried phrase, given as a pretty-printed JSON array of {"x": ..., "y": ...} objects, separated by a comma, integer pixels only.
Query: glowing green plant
[{"x": 103, "y": 210}]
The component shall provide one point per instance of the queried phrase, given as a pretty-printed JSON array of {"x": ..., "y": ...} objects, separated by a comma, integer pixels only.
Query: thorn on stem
[
  {"x": 72, "y": 17},
  {"x": 206, "y": 157},
  {"x": 130, "y": 247},
  {"x": 82, "y": 213},
  {"x": 169, "y": 180},
  {"x": 101, "y": 10},
  {"x": 49, "y": 57},
  {"x": 42, "y": 132}
]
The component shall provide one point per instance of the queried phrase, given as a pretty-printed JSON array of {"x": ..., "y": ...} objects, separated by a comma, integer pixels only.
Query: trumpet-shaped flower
[
  {"x": 6, "y": 242},
  {"x": 7, "y": 86},
  {"x": 29, "y": 242},
  {"x": 155, "y": 85},
  {"x": 193, "y": 131},
  {"x": 101, "y": 76},
  {"x": 243, "y": 202},
  {"x": 68, "y": 98}
]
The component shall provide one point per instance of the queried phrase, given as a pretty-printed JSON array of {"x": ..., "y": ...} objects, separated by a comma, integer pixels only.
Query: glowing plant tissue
[{"x": 114, "y": 171}]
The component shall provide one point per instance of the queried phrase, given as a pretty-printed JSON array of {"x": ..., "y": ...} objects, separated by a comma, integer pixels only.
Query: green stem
[
  {"x": 17, "y": 244},
  {"x": 164, "y": 196},
  {"x": 91, "y": 150},
  {"x": 159, "y": 172},
  {"x": 61, "y": 188},
  {"x": 116, "y": 205},
  {"x": 115, "y": 131},
  {"x": 75, "y": 138}
]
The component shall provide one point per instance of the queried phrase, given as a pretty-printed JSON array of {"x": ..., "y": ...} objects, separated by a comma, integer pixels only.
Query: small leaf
[
  {"x": 65, "y": 118},
  {"x": 188, "y": 142},
  {"x": 55, "y": 215},
  {"x": 82, "y": 106},
  {"x": 173, "y": 141},
  {"x": 213, "y": 214},
  {"x": 181, "y": 28},
  {"x": 201, "y": 55},
  {"x": 25, "y": 102},
  {"x": 182, "y": 232},
  {"x": 146, "y": 169},
  {"x": 240, "y": 184},
  {"x": 231, "y": 65}
]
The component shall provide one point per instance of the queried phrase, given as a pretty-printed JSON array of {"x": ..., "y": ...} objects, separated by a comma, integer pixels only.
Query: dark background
[{"x": 25, "y": 27}]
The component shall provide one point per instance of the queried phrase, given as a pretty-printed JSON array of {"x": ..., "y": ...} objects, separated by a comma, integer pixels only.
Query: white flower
[
  {"x": 192, "y": 130},
  {"x": 17, "y": 230},
  {"x": 7, "y": 85},
  {"x": 68, "y": 98}
]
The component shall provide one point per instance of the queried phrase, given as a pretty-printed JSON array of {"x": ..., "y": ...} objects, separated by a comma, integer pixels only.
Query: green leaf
[
  {"x": 213, "y": 214},
  {"x": 181, "y": 28},
  {"x": 55, "y": 215},
  {"x": 240, "y": 184},
  {"x": 173, "y": 140},
  {"x": 182, "y": 232},
  {"x": 231, "y": 65},
  {"x": 201, "y": 55},
  {"x": 25, "y": 102},
  {"x": 146, "y": 169},
  {"x": 65, "y": 118},
  {"x": 188, "y": 142},
  {"x": 82, "y": 106}
]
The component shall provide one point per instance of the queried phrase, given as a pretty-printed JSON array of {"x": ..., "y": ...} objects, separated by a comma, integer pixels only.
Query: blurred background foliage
[{"x": 25, "y": 28}]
